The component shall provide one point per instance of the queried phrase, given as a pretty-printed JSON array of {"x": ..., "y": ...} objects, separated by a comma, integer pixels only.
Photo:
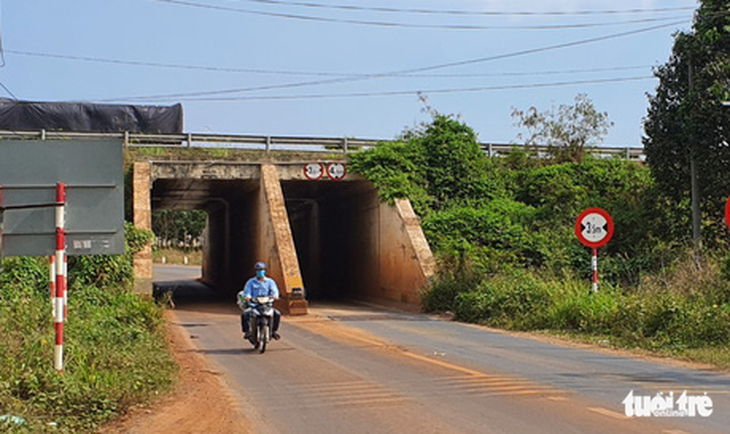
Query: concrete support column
[
  {"x": 142, "y": 216},
  {"x": 276, "y": 243},
  {"x": 406, "y": 262}
]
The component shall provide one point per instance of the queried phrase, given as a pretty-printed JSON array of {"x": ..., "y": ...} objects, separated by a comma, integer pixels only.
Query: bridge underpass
[{"x": 333, "y": 238}]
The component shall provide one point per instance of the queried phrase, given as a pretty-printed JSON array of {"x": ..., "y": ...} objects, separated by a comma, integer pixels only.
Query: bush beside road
[
  {"x": 502, "y": 230},
  {"x": 116, "y": 354}
]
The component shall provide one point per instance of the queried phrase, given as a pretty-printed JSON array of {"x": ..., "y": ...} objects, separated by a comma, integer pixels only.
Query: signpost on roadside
[
  {"x": 594, "y": 228},
  {"x": 59, "y": 198}
]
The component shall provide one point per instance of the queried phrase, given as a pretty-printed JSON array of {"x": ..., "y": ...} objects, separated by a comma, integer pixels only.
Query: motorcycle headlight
[{"x": 262, "y": 300}]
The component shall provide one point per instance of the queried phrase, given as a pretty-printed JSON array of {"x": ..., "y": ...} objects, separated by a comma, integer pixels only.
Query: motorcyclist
[{"x": 258, "y": 286}]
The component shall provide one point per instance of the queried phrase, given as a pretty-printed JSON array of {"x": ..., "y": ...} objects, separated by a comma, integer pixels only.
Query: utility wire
[
  {"x": 408, "y": 71},
  {"x": 8, "y": 91},
  {"x": 417, "y": 92},
  {"x": 410, "y": 25},
  {"x": 350, "y": 7},
  {"x": 302, "y": 73}
]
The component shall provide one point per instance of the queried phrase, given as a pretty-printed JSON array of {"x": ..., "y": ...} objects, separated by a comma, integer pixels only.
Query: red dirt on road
[{"x": 200, "y": 402}]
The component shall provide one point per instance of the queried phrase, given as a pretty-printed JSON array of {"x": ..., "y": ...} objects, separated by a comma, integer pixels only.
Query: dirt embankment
[{"x": 200, "y": 402}]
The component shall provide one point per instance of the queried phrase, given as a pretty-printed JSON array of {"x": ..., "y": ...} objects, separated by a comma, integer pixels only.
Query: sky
[{"x": 344, "y": 68}]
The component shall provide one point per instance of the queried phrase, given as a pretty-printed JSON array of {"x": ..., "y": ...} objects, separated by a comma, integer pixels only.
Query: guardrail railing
[{"x": 276, "y": 143}]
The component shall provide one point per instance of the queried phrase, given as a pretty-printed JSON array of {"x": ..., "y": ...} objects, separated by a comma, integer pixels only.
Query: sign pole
[
  {"x": 594, "y": 229},
  {"x": 65, "y": 286},
  {"x": 2, "y": 212},
  {"x": 52, "y": 280},
  {"x": 60, "y": 278},
  {"x": 594, "y": 263}
]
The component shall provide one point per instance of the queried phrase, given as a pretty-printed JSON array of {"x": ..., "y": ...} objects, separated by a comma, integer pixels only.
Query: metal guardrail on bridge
[{"x": 275, "y": 143}]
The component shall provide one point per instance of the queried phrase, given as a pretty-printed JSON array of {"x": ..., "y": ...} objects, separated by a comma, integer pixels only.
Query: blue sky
[{"x": 280, "y": 43}]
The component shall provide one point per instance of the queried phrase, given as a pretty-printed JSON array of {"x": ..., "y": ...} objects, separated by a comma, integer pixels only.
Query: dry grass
[{"x": 177, "y": 257}]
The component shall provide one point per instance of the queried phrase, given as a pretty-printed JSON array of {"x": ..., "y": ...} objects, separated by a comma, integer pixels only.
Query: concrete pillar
[
  {"x": 406, "y": 264},
  {"x": 276, "y": 243},
  {"x": 142, "y": 216}
]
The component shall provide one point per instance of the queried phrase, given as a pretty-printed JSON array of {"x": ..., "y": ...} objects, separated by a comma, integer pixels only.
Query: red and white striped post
[
  {"x": 60, "y": 277},
  {"x": 52, "y": 280},
  {"x": 1, "y": 228},
  {"x": 65, "y": 286},
  {"x": 594, "y": 264},
  {"x": 1, "y": 224}
]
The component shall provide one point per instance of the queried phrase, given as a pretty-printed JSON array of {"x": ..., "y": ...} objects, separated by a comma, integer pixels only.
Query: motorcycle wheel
[
  {"x": 255, "y": 337},
  {"x": 263, "y": 337}
]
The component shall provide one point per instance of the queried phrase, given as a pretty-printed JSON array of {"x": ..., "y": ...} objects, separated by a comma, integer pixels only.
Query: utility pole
[{"x": 695, "y": 189}]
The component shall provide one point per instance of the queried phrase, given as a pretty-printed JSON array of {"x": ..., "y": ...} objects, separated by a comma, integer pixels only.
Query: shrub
[
  {"x": 109, "y": 270},
  {"x": 514, "y": 301},
  {"x": 497, "y": 232},
  {"x": 456, "y": 277},
  {"x": 115, "y": 351}
]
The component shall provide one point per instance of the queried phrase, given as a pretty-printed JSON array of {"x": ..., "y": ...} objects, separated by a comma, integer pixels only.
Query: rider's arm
[
  {"x": 247, "y": 290},
  {"x": 273, "y": 289}
]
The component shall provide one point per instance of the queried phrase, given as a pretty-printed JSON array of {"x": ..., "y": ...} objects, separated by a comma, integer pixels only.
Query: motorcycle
[{"x": 262, "y": 319}]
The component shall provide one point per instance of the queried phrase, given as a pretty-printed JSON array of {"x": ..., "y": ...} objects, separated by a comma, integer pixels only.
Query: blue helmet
[{"x": 259, "y": 266}]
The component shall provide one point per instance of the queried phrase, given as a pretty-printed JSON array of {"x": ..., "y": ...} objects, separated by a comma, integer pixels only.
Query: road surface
[{"x": 362, "y": 369}]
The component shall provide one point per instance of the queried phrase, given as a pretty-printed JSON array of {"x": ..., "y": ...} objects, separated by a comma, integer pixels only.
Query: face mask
[{"x": 260, "y": 273}]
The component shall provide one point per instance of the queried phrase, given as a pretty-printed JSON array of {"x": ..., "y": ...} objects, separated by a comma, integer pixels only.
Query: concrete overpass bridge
[{"x": 332, "y": 237}]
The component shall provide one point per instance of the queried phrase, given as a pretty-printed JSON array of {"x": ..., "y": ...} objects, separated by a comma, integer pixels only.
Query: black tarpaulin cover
[{"x": 88, "y": 117}]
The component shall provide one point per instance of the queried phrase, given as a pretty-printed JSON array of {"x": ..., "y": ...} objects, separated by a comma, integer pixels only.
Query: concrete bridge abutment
[{"x": 333, "y": 238}]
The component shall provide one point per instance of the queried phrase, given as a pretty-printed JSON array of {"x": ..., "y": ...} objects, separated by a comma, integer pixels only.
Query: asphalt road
[{"x": 363, "y": 369}]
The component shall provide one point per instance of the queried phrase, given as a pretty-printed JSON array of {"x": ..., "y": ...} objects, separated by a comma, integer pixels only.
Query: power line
[
  {"x": 416, "y": 92},
  {"x": 349, "y": 7},
  {"x": 157, "y": 64},
  {"x": 211, "y": 68},
  {"x": 8, "y": 91},
  {"x": 411, "y": 25},
  {"x": 407, "y": 71}
]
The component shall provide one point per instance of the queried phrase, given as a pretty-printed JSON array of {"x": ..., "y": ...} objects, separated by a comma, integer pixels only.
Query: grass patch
[
  {"x": 684, "y": 313},
  {"x": 115, "y": 357},
  {"x": 116, "y": 354}
]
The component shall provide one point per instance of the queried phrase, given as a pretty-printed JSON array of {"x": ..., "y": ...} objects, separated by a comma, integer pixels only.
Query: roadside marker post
[
  {"x": 2, "y": 216},
  {"x": 594, "y": 228},
  {"x": 61, "y": 202},
  {"x": 52, "y": 280},
  {"x": 59, "y": 310}
]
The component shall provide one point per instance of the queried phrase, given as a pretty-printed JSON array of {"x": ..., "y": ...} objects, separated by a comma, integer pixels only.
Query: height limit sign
[{"x": 594, "y": 228}]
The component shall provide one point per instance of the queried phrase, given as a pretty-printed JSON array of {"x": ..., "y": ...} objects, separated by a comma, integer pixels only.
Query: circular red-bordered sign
[
  {"x": 594, "y": 227},
  {"x": 727, "y": 211},
  {"x": 336, "y": 171},
  {"x": 313, "y": 171}
]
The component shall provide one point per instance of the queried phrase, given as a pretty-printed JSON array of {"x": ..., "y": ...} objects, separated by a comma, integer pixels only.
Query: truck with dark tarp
[{"x": 90, "y": 117}]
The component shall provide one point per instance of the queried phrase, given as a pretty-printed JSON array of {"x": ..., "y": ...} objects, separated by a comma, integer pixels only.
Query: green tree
[
  {"x": 436, "y": 165},
  {"x": 686, "y": 118},
  {"x": 176, "y": 226},
  {"x": 567, "y": 130},
  {"x": 457, "y": 168}
]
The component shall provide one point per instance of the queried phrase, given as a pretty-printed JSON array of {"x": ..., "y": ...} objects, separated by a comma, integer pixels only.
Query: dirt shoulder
[{"x": 200, "y": 402}]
